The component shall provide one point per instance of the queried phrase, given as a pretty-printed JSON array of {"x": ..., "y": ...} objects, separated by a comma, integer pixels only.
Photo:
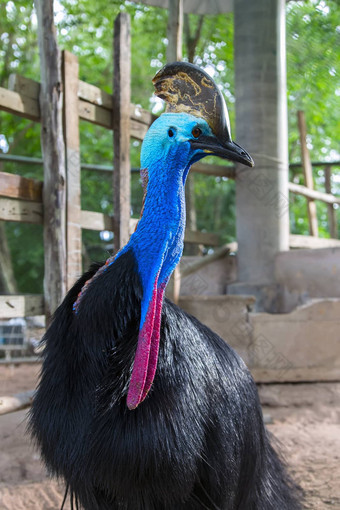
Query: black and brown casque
[{"x": 187, "y": 88}]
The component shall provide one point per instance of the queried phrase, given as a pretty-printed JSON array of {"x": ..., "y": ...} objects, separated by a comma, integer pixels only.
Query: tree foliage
[{"x": 85, "y": 28}]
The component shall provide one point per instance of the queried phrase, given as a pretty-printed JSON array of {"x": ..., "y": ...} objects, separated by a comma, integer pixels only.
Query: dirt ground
[{"x": 306, "y": 422}]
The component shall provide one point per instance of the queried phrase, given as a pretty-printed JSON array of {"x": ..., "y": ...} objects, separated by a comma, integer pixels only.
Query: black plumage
[{"x": 196, "y": 442}]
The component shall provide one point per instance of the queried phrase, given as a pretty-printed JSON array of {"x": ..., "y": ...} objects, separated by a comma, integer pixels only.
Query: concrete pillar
[{"x": 262, "y": 200}]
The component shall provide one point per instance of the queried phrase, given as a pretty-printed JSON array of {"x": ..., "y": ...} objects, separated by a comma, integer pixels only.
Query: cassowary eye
[
  {"x": 196, "y": 132},
  {"x": 171, "y": 133}
]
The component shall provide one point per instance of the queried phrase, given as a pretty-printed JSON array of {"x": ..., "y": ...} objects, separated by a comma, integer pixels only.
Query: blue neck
[{"x": 158, "y": 239}]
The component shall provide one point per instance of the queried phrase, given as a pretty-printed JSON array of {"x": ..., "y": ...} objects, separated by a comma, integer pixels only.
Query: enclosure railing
[{"x": 23, "y": 200}]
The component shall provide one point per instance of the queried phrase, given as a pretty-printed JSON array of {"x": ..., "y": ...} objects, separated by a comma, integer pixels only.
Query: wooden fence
[{"x": 56, "y": 204}]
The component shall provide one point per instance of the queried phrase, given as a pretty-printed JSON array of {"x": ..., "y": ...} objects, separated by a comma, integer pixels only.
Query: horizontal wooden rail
[
  {"x": 15, "y": 186},
  {"x": 12, "y": 347},
  {"x": 214, "y": 170},
  {"x": 219, "y": 253},
  {"x": 19, "y": 104},
  {"x": 19, "y": 360},
  {"x": 311, "y": 242},
  {"x": 313, "y": 194},
  {"x": 21, "y": 306},
  {"x": 95, "y": 105},
  {"x": 92, "y": 220},
  {"x": 196, "y": 237},
  {"x": 26, "y": 211},
  {"x": 11, "y": 404},
  {"x": 21, "y": 210}
]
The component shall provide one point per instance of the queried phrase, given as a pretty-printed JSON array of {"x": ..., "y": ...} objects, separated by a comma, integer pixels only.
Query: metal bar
[
  {"x": 20, "y": 159},
  {"x": 108, "y": 168},
  {"x": 316, "y": 163}
]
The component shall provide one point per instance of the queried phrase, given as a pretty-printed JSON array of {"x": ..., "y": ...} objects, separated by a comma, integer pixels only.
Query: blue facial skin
[
  {"x": 158, "y": 240},
  {"x": 159, "y": 148},
  {"x": 167, "y": 155},
  {"x": 157, "y": 243}
]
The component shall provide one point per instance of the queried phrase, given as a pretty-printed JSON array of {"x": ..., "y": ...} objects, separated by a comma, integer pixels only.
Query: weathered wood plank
[
  {"x": 10, "y": 404},
  {"x": 24, "y": 86},
  {"x": 94, "y": 95},
  {"x": 18, "y": 360},
  {"x": 215, "y": 170},
  {"x": 303, "y": 374},
  {"x": 176, "y": 287},
  {"x": 18, "y": 104},
  {"x": 313, "y": 194},
  {"x": 121, "y": 128},
  {"x": 95, "y": 114},
  {"x": 32, "y": 212},
  {"x": 21, "y": 306},
  {"x": 208, "y": 259},
  {"x": 96, "y": 221},
  {"x": 333, "y": 227},
  {"x": 52, "y": 143},
  {"x": 20, "y": 210},
  {"x": 140, "y": 115},
  {"x": 89, "y": 95},
  {"x": 201, "y": 238},
  {"x": 133, "y": 225},
  {"x": 138, "y": 130},
  {"x": 311, "y": 242},
  {"x": 103, "y": 117},
  {"x": 15, "y": 186},
  {"x": 308, "y": 173},
  {"x": 72, "y": 154}
]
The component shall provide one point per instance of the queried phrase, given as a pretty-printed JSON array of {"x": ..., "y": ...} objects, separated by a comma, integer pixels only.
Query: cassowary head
[{"x": 196, "y": 123}]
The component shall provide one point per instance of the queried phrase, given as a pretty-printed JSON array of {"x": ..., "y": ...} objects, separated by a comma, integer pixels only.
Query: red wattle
[
  {"x": 153, "y": 357},
  {"x": 141, "y": 362}
]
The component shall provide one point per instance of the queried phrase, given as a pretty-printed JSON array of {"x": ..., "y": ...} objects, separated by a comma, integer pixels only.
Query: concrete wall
[
  {"x": 300, "y": 275},
  {"x": 227, "y": 316},
  {"x": 303, "y": 345},
  {"x": 208, "y": 281},
  {"x": 310, "y": 273}
]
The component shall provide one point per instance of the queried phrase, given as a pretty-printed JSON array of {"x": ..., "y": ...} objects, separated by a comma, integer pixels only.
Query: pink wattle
[
  {"x": 154, "y": 343},
  {"x": 141, "y": 363}
]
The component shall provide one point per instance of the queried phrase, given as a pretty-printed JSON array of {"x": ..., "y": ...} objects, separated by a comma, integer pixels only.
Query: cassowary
[{"x": 139, "y": 405}]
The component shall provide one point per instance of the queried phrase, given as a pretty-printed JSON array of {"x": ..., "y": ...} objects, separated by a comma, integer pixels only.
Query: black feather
[{"x": 196, "y": 442}]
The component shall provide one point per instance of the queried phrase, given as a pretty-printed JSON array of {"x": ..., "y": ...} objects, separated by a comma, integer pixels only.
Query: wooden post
[
  {"x": 52, "y": 144},
  {"x": 72, "y": 155},
  {"x": 121, "y": 129},
  {"x": 333, "y": 228},
  {"x": 175, "y": 31},
  {"x": 308, "y": 173},
  {"x": 177, "y": 284},
  {"x": 174, "y": 53}
]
